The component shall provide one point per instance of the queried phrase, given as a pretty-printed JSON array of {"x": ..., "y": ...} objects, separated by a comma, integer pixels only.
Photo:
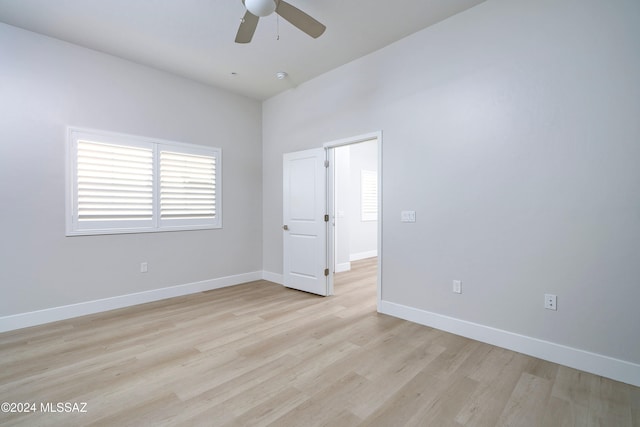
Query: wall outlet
[
  {"x": 550, "y": 302},
  {"x": 144, "y": 267},
  {"x": 457, "y": 286}
]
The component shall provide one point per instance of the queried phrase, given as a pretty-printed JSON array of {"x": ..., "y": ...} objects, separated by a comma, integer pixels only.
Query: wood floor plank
[
  {"x": 394, "y": 376},
  {"x": 313, "y": 411},
  {"x": 421, "y": 392},
  {"x": 447, "y": 405},
  {"x": 610, "y": 404},
  {"x": 269, "y": 410},
  {"x": 634, "y": 397},
  {"x": 527, "y": 403},
  {"x": 259, "y": 354},
  {"x": 558, "y": 413},
  {"x": 497, "y": 375}
]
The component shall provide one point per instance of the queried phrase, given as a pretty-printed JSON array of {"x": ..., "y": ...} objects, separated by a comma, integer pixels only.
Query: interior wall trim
[
  {"x": 616, "y": 369},
  {"x": 273, "y": 277},
  {"x": 345, "y": 266},
  {"x": 54, "y": 314},
  {"x": 363, "y": 255}
]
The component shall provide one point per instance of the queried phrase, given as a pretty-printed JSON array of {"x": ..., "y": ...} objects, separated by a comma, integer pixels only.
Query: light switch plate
[{"x": 408, "y": 216}]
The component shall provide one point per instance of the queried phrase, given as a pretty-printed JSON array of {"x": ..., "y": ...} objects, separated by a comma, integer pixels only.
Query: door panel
[{"x": 304, "y": 206}]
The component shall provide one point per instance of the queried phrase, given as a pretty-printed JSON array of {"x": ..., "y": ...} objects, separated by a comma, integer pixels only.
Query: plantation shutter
[
  {"x": 187, "y": 186},
  {"x": 114, "y": 182},
  {"x": 119, "y": 183},
  {"x": 369, "y": 195}
]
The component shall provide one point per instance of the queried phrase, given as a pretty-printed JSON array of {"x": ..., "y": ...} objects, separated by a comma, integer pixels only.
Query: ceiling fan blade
[
  {"x": 247, "y": 28},
  {"x": 300, "y": 19}
]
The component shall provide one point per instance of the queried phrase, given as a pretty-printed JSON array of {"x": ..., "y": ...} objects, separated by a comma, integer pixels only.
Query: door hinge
[
  {"x": 326, "y": 218},
  {"x": 326, "y": 271},
  {"x": 326, "y": 163}
]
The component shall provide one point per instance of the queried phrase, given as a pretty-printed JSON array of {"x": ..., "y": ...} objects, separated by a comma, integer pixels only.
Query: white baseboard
[
  {"x": 344, "y": 266},
  {"x": 33, "y": 318},
  {"x": 273, "y": 277},
  {"x": 594, "y": 363},
  {"x": 363, "y": 255}
]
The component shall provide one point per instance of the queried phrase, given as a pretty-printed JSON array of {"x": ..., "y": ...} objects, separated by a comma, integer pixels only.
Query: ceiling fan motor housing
[{"x": 260, "y": 7}]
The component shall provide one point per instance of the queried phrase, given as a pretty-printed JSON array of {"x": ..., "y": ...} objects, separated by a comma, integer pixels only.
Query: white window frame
[
  {"x": 368, "y": 195},
  {"x": 77, "y": 228}
]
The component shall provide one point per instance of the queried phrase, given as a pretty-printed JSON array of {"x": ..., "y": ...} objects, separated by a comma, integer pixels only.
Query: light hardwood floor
[{"x": 262, "y": 355}]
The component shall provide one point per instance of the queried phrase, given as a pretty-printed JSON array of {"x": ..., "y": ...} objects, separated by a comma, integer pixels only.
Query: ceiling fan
[{"x": 262, "y": 8}]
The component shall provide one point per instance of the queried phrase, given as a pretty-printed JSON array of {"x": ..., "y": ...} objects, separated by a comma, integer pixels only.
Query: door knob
[{"x": 285, "y": 227}]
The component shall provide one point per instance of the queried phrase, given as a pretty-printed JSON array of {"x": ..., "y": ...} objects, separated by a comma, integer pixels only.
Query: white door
[{"x": 304, "y": 227}]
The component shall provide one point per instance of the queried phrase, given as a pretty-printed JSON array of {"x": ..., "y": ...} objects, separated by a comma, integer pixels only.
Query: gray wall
[
  {"x": 512, "y": 129},
  {"x": 343, "y": 192},
  {"x": 47, "y": 85}
]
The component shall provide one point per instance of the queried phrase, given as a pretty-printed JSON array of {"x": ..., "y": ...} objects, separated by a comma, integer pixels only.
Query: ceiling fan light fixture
[
  {"x": 288, "y": 12},
  {"x": 281, "y": 75},
  {"x": 260, "y": 7}
]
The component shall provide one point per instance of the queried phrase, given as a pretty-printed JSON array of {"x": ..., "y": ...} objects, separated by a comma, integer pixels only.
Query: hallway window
[{"x": 369, "y": 195}]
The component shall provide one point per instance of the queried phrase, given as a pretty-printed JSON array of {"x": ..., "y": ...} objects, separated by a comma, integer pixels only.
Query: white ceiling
[{"x": 195, "y": 38}]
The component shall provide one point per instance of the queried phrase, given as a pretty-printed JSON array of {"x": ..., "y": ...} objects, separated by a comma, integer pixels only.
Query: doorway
[
  {"x": 354, "y": 206},
  {"x": 309, "y": 216}
]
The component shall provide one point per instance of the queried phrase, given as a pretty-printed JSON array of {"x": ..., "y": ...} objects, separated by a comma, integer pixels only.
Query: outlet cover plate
[
  {"x": 457, "y": 286},
  {"x": 550, "y": 302}
]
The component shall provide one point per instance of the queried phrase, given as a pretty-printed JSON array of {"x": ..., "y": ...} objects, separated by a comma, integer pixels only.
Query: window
[
  {"x": 126, "y": 184},
  {"x": 369, "y": 195}
]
